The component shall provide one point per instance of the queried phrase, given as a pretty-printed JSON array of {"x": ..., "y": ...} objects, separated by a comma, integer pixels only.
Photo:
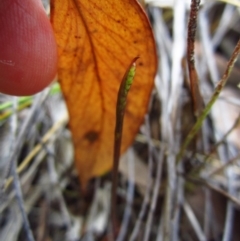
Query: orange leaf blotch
[{"x": 96, "y": 42}]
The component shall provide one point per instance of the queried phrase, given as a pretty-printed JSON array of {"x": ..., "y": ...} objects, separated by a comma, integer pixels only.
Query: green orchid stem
[{"x": 120, "y": 110}]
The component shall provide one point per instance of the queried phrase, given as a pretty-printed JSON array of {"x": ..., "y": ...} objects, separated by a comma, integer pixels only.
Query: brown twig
[{"x": 193, "y": 76}]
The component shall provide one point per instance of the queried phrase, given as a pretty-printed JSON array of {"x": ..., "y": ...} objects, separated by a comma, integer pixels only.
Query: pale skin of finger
[{"x": 28, "y": 51}]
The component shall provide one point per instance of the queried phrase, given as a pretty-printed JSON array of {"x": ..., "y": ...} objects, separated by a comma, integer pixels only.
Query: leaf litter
[{"x": 194, "y": 200}]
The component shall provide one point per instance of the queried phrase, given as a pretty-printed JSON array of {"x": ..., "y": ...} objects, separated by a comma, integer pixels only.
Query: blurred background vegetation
[{"x": 198, "y": 199}]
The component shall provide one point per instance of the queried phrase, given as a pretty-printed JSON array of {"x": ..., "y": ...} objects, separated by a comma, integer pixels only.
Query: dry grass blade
[
  {"x": 130, "y": 197},
  {"x": 222, "y": 167},
  {"x": 37, "y": 149},
  {"x": 213, "y": 187},
  {"x": 145, "y": 202},
  {"x": 194, "y": 222}
]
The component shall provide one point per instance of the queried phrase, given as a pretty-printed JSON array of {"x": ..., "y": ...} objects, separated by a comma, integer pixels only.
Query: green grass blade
[
  {"x": 23, "y": 102},
  {"x": 208, "y": 107}
]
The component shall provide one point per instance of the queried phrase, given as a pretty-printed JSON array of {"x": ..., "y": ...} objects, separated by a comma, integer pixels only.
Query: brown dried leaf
[{"x": 96, "y": 42}]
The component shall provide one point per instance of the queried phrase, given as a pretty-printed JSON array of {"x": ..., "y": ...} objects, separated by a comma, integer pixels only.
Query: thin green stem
[
  {"x": 213, "y": 99},
  {"x": 120, "y": 110}
]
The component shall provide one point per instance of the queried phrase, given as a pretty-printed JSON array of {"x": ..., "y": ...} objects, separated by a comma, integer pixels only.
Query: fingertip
[{"x": 28, "y": 56}]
